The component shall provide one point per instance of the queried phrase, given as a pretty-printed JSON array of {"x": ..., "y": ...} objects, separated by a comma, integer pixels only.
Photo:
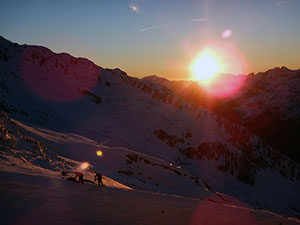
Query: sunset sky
[{"x": 161, "y": 37}]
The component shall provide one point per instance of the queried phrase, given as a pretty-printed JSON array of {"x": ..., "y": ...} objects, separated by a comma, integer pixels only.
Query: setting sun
[{"x": 205, "y": 67}]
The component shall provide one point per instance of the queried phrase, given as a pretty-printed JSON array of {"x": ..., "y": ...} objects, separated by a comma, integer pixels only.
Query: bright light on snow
[{"x": 84, "y": 166}]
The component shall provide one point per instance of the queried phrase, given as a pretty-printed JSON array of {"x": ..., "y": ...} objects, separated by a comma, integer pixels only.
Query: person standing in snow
[
  {"x": 79, "y": 175},
  {"x": 98, "y": 177}
]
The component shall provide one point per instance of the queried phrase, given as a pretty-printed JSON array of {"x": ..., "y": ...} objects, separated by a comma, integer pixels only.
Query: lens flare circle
[
  {"x": 99, "y": 153},
  {"x": 226, "y": 34},
  {"x": 211, "y": 214},
  {"x": 84, "y": 166},
  {"x": 57, "y": 77}
]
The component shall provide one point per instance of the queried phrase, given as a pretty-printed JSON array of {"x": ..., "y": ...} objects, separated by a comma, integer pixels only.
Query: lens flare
[
  {"x": 211, "y": 214},
  {"x": 84, "y": 166},
  {"x": 57, "y": 77},
  {"x": 225, "y": 85},
  {"x": 99, "y": 153},
  {"x": 226, "y": 34}
]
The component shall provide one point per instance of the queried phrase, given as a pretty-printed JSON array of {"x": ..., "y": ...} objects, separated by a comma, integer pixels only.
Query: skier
[
  {"x": 98, "y": 177},
  {"x": 79, "y": 175}
]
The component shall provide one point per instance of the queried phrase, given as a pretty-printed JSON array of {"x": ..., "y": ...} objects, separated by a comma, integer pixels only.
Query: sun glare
[
  {"x": 205, "y": 67},
  {"x": 212, "y": 66}
]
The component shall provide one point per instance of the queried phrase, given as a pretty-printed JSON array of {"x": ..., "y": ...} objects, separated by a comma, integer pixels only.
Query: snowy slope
[
  {"x": 270, "y": 107},
  {"x": 36, "y": 151},
  {"x": 151, "y": 138},
  {"x": 33, "y": 192},
  {"x": 43, "y": 200},
  {"x": 22, "y": 153}
]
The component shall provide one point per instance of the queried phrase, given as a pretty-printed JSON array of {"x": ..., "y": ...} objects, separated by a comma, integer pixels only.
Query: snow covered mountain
[
  {"x": 150, "y": 137},
  {"x": 33, "y": 192},
  {"x": 268, "y": 105}
]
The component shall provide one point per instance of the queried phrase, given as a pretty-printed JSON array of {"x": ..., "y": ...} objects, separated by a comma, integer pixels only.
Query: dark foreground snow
[{"x": 34, "y": 200}]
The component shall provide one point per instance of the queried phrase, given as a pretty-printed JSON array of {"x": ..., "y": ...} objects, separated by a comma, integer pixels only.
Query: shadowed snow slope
[{"x": 41, "y": 200}]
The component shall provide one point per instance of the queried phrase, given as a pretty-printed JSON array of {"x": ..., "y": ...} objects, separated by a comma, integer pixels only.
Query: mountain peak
[{"x": 155, "y": 78}]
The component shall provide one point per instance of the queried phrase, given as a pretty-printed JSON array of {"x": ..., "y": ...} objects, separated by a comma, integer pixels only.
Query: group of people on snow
[
  {"x": 98, "y": 177},
  {"x": 79, "y": 175}
]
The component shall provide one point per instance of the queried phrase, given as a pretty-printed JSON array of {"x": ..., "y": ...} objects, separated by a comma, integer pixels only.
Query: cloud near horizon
[
  {"x": 199, "y": 19},
  {"x": 154, "y": 27}
]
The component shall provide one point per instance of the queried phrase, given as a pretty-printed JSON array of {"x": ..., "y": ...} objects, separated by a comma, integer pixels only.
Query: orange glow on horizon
[{"x": 212, "y": 64}]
